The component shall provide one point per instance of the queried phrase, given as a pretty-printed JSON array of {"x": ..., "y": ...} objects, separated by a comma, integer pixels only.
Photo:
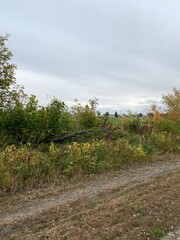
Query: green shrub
[
  {"x": 165, "y": 142},
  {"x": 85, "y": 116},
  {"x": 132, "y": 125},
  {"x": 21, "y": 167},
  {"x": 170, "y": 126},
  {"x": 35, "y": 124},
  {"x": 24, "y": 167}
]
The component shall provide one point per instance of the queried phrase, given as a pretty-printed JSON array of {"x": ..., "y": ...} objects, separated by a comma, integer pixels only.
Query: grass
[
  {"x": 146, "y": 212},
  {"x": 129, "y": 142},
  {"x": 115, "y": 121},
  {"x": 24, "y": 168}
]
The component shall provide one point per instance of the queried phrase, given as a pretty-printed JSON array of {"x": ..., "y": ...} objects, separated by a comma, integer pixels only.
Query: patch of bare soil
[
  {"x": 175, "y": 235},
  {"x": 139, "y": 203}
]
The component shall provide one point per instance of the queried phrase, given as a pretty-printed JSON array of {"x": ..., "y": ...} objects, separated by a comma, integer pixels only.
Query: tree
[
  {"x": 140, "y": 115},
  {"x": 85, "y": 116},
  {"x": 116, "y": 114},
  {"x": 172, "y": 102},
  {"x": 10, "y": 93},
  {"x": 58, "y": 118}
]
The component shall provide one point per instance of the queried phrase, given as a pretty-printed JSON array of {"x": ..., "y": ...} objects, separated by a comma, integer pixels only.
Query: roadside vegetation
[{"x": 44, "y": 144}]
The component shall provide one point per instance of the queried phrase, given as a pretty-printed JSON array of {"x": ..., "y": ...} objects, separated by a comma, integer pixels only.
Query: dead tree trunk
[{"x": 71, "y": 135}]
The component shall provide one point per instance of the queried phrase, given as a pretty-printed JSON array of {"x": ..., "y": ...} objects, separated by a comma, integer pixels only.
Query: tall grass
[
  {"x": 131, "y": 141},
  {"x": 24, "y": 167}
]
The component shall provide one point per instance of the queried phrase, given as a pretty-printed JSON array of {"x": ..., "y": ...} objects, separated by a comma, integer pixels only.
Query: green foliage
[
  {"x": 24, "y": 167},
  {"x": 85, "y": 116},
  {"x": 115, "y": 121},
  {"x": 7, "y": 78},
  {"x": 58, "y": 118},
  {"x": 13, "y": 123},
  {"x": 165, "y": 142},
  {"x": 158, "y": 232},
  {"x": 24, "y": 124},
  {"x": 116, "y": 114},
  {"x": 167, "y": 125},
  {"x": 32, "y": 104},
  {"x": 86, "y": 157},
  {"x": 11, "y": 94},
  {"x": 132, "y": 125},
  {"x": 34, "y": 123}
]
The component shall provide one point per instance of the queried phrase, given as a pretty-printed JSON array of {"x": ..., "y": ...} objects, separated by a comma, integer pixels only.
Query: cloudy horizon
[{"x": 126, "y": 53}]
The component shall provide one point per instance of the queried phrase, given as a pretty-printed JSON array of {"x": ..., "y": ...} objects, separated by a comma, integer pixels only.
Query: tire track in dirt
[{"x": 124, "y": 180}]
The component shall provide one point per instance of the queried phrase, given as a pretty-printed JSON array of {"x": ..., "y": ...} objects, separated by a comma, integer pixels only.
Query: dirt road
[{"x": 16, "y": 213}]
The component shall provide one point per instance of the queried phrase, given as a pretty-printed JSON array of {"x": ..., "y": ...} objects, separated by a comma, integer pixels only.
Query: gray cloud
[{"x": 115, "y": 50}]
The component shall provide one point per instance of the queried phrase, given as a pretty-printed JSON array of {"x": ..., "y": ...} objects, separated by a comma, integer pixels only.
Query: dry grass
[{"x": 144, "y": 212}]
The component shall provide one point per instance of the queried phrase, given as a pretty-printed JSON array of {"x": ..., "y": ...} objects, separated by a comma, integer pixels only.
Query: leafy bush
[
  {"x": 34, "y": 123},
  {"x": 132, "y": 125},
  {"x": 165, "y": 142},
  {"x": 168, "y": 125},
  {"x": 85, "y": 116},
  {"x": 24, "y": 167}
]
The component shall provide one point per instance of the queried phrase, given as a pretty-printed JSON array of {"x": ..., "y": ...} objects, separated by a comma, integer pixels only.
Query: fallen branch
[{"x": 60, "y": 140}]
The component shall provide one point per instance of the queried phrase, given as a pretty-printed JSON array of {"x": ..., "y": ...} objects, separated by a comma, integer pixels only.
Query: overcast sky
[{"x": 124, "y": 52}]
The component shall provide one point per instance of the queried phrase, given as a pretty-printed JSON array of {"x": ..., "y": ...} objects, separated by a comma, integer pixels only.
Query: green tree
[
  {"x": 10, "y": 93},
  {"x": 85, "y": 116},
  {"x": 58, "y": 118},
  {"x": 140, "y": 115},
  {"x": 116, "y": 114}
]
